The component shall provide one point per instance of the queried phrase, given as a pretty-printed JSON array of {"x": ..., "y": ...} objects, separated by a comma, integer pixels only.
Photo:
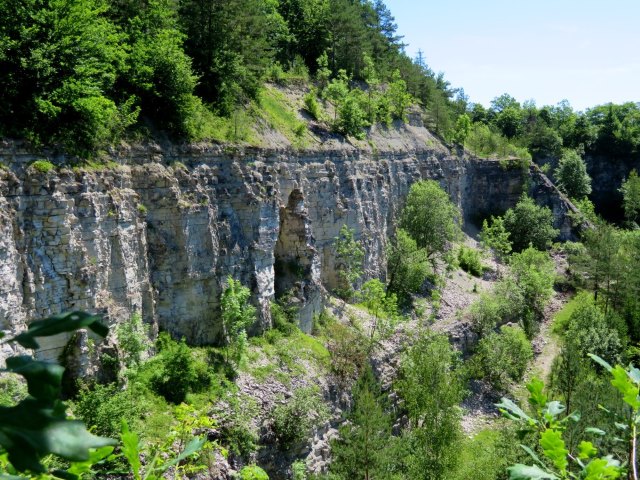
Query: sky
[{"x": 587, "y": 52}]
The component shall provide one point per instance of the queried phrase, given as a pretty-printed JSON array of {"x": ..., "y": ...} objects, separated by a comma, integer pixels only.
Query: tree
[
  {"x": 59, "y": 60},
  {"x": 362, "y": 447},
  {"x": 463, "y": 127},
  {"x": 237, "y": 315},
  {"x": 431, "y": 387},
  {"x": 533, "y": 274},
  {"x": 494, "y": 236},
  {"x": 407, "y": 266},
  {"x": 349, "y": 258},
  {"x": 630, "y": 190},
  {"x": 529, "y": 224},
  {"x": 430, "y": 217},
  {"x": 503, "y": 356},
  {"x": 572, "y": 175},
  {"x": 589, "y": 331},
  {"x": 398, "y": 96}
]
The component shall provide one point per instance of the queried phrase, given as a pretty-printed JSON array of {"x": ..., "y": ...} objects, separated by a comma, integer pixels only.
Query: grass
[
  {"x": 43, "y": 166},
  {"x": 561, "y": 318},
  {"x": 281, "y": 116}
]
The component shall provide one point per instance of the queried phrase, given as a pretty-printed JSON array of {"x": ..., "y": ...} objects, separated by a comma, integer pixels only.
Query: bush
[
  {"x": 133, "y": 339},
  {"x": 177, "y": 371},
  {"x": 312, "y": 105},
  {"x": 105, "y": 406},
  {"x": 407, "y": 266},
  {"x": 348, "y": 352},
  {"x": 486, "y": 314},
  {"x": 529, "y": 224},
  {"x": 293, "y": 420},
  {"x": 253, "y": 472},
  {"x": 470, "y": 261},
  {"x": 430, "y": 217},
  {"x": 503, "y": 356},
  {"x": 43, "y": 166},
  {"x": 572, "y": 175}
]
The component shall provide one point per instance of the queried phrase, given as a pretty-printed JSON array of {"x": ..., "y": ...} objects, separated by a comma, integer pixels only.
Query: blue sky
[{"x": 587, "y": 52}]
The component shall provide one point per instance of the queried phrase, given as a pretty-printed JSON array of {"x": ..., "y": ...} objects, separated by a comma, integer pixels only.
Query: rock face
[{"x": 159, "y": 232}]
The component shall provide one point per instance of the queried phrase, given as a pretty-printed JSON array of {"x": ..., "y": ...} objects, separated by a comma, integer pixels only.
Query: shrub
[
  {"x": 237, "y": 315},
  {"x": 470, "y": 261},
  {"x": 253, "y": 472},
  {"x": 348, "y": 352},
  {"x": 407, "y": 266},
  {"x": 177, "y": 371},
  {"x": 133, "y": 339},
  {"x": 503, "y": 356},
  {"x": 529, "y": 224},
  {"x": 430, "y": 217},
  {"x": 312, "y": 105},
  {"x": 105, "y": 406},
  {"x": 349, "y": 258},
  {"x": 486, "y": 314},
  {"x": 572, "y": 175},
  {"x": 43, "y": 166},
  {"x": 293, "y": 420}
]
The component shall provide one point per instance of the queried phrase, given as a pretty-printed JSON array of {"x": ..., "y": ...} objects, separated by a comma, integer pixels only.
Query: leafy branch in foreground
[
  {"x": 38, "y": 425},
  {"x": 552, "y": 460}
]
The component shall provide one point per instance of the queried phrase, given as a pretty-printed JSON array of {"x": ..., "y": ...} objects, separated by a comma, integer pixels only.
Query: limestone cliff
[{"x": 160, "y": 230}]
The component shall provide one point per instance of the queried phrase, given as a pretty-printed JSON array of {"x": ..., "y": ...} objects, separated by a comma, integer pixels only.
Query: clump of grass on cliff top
[
  {"x": 280, "y": 116},
  {"x": 43, "y": 166}
]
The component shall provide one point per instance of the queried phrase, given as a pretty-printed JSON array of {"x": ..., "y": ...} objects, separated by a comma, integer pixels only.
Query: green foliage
[
  {"x": 133, "y": 340},
  {"x": 431, "y": 387},
  {"x": 495, "y": 237},
  {"x": 502, "y": 357},
  {"x": 407, "y": 266},
  {"x": 382, "y": 305},
  {"x": 237, "y": 315},
  {"x": 533, "y": 275},
  {"x": 351, "y": 118},
  {"x": 159, "y": 462},
  {"x": 43, "y": 166},
  {"x": 280, "y": 115},
  {"x": 349, "y": 258},
  {"x": 252, "y": 472},
  {"x": 58, "y": 61},
  {"x": 312, "y": 106},
  {"x": 348, "y": 351},
  {"x": 37, "y": 426},
  {"x": 292, "y": 420},
  {"x": 548, "y": 419},
  {"x": 177, "y": 371},
  {"x": 363, "y": 444},
  {"x": 399, "y": 97},
  {"x": 484, "y": 142},
  {"x": 589, "y": 331},
  {"x": 105, "y": 406},
  {"x": 463, "y": 129},
  {"x": 430, "y": 217},
  {"x": 470, "y": 260},
  {"x": 572, "y": 175},
  {"x": 299, "y": 470},
  {"x": 529, "y": 224},
  {"x": 631, "y": 196}
]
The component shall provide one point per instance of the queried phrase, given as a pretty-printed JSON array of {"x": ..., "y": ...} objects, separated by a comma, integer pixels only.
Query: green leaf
[
  {"x": 131, "y": 449},
  {"x": 536, "y": 395},
  {"x": 603, "y": 469},
  {"x": 601, "y": 362},
  {"x": 626, "y": 387},
  {"x": 554, "y": 408},
  {"x": 32, "y": 429},
  {"x": 66, "y": 322},
  {"x": 634, "y": 375},
  {"x": 586, "y": 450},
  {"x": 555, "y": 449},
  {"x": 513, "y": 411},
  {"x": 43, "y": 379},
  {"x": 529, "y": 472},
  {"x": 193, "y": 447},
  {"x": 95, "y": 456},
  {"x": 595, "y": 431},
  {"x": 533, "y": 455}
]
